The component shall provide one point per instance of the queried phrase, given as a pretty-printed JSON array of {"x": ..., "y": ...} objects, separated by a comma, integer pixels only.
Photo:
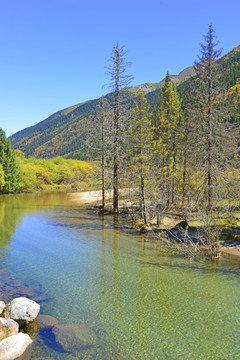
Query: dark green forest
[{"x": 9, "y": 173}]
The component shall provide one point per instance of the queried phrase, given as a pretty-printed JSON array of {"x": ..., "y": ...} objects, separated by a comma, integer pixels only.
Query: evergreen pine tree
[
  {"x": 140, "y": 149},
  {"x": 9, "y": 166},
  {"x": 167, "y": 124},
  {"x": 213, "y": 135},
  {"x": 2, "y": 181}
]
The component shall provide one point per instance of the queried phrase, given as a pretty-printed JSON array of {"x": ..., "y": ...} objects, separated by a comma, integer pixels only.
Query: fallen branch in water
[{"x": 189, "y": 244}]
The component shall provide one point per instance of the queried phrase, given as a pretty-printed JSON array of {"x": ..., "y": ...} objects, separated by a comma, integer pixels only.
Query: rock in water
[
  {"x": 46, "y": 321},
  {"x": 22, "y": 310},
  {"x": 14, "y": 346},
  {"x": 73, "y": 337},
  {"x": 8, "y": 327},
  {"x": 182, "y": 225},
  {"x": 2, "y": 306}
]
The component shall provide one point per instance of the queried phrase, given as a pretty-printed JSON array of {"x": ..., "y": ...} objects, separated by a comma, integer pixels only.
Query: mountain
[{"x": 65, "y": 132}]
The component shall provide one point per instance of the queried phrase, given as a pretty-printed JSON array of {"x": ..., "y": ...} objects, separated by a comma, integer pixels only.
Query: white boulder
[
  {"x": 22, "y": 310},
  {"x": 2, "y": 306},
  {"x": 14, "y": 346},
  {"x": 8, "y": 327}
]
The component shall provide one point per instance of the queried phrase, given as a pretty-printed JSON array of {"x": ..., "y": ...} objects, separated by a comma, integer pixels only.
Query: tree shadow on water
[
  {"x": 204, "y": 268},
  {"x": 49, "y": 340}
]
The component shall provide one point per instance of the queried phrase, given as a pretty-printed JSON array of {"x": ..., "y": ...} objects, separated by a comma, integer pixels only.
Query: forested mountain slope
[{"x": 65, "y": 132}]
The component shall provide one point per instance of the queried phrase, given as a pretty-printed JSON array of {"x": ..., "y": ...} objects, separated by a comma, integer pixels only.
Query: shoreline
[
  {"x": 90, "y": 197},
  {"x": 231, "y": 250}
]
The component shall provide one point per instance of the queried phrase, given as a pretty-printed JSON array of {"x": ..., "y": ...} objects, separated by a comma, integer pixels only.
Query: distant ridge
[
  {"x": 65, "y": 132},
  {"x": 186, "y": 73}
]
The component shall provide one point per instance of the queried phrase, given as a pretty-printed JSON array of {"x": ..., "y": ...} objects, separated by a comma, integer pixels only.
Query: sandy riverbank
[
  {"x": 89, "y": 197},
  {"x": 231, "y": 250}
]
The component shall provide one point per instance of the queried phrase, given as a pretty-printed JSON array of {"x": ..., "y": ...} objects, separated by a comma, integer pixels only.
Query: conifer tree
[
  {"x": 214, "y": 135},
  {"x": 2, "y": 181},
  {"x": 167, "y": 121},
  {"x": 8, "y": 163},
  {"x": 140, "y": 149},
  {"x": 211, "y": 132},
  {"x": 209, "y": 90},
  {"x": 187, "y": 152}
]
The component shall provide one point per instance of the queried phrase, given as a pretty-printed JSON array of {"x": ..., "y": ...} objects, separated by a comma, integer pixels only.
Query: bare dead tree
[
  {"x": 118, "y": 80},
  {"x": 209, "y": 94},
  {"x": 101, "y": 120},
  {"x": 207, "y": 119},
  {"x": 99, "y": 142}
]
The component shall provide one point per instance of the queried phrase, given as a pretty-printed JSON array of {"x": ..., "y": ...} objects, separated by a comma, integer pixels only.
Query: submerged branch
[{"x": 190, "y": 244}]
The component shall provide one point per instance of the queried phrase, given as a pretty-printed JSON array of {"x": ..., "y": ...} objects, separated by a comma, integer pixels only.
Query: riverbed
[{"x": 140, "y": 301}]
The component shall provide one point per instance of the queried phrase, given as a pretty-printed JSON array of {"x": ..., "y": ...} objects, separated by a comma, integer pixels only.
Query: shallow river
[{"x": 140, "y": 301}]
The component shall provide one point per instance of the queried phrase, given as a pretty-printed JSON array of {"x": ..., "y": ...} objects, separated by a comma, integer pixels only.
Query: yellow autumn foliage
[
  {"x": 234, "y": 89},
  {"x": 58, "y": 173}
]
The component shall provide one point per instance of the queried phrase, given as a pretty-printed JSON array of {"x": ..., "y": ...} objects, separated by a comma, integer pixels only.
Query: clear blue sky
[{"x": 53, "y": 52}]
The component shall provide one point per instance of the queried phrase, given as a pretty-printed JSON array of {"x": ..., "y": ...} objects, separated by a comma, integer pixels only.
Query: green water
[{"x": 141, "y": 302}]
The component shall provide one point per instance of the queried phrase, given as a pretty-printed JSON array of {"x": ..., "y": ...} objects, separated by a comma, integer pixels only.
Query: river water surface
[{"x": 141, "y": 302}]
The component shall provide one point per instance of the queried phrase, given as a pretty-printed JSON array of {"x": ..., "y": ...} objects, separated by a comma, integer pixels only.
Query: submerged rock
[
  {"x": 182, "y": 225},
  {"x": 22, "y": 310},
  {"x": 14, "y": 346},
  {"x": 10, "y": 288},
  {"x": 2, "y": 306},
  {"x": 73, "y": 337},
  {"x": 8, "y": 327},
  {"x": 46, "y": 321}
]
